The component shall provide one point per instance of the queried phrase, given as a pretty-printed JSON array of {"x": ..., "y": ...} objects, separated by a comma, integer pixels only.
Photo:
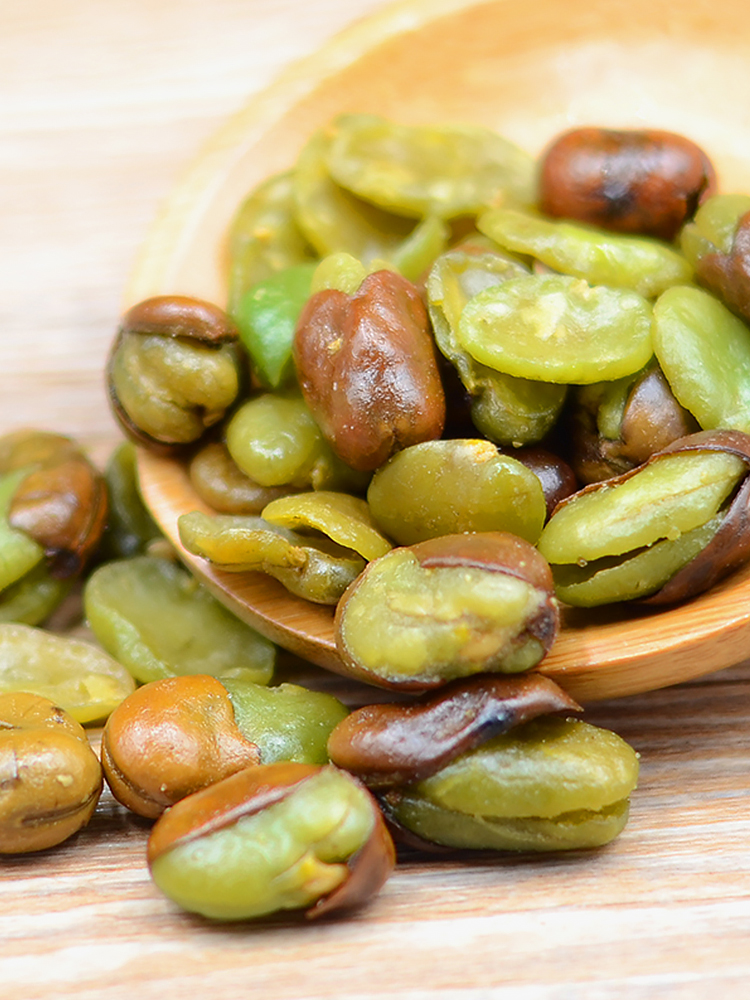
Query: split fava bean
[
  {"x": 275, "y": 837},
  {"x": 717, "y": 243},
  {"x": 313, "y": 568},
  {"x": 638, "y": 264},
  {"x": 445, "y": 608},
  {"x": 78, "y": 676},
  {"x": 557, "y": 329},
  {"x": 690, "y": 499},
  {"x": 547, "y": 785},
  {"x": 629, "y": 181},
  {"x": 157, "y": 620},
  {"x": 414, "y": 496},
  {"x": 50, "y": 778}
]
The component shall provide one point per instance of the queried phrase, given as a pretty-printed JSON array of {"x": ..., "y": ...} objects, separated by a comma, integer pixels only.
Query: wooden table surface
[{"x": 102, "y": 106}]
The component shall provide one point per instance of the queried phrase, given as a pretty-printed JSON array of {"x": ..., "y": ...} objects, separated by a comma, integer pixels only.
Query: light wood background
[{"x": 102, "y": 106}]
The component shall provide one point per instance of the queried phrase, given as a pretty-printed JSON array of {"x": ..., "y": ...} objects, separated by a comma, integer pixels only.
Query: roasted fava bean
[
  {"x": 704, "y": 351},
  {"x": 414, "y": 496},
  {"x": 157, "y": 620},
  {"x": 275, "y": 440},
  {"x": 367, "y": 368},
  {"x": 219, "y": 481},
  {"x": 635, "y": 263},
  {"x": 78, "y": 676},
  {"x": 58, "y": 500},
  {"x": 173, "y": 371},
  {"x": 274, "y": 837},
  {"x": 264, "y": 237},
  {"x": 312, "y": 567},
  {"x": 445, "y": 608},
  {"x": 392, "y": 744},
  {"x": 629, "y": 181},
  {"x": 130, "y": 526},
  {"x": 665, "y": 531},
  {"x": 557, "y": 329},
  {"x": 50, "y": 778},
  {"x": 444, "y": 170},
  {"x": 619, "y": 425},
  {"x": 170, "y": 738},
  {"x": 506, "y": 409},
  {"x": 556, "y": 476},
  {"x": 717, "y": 243},
  {"x": 550, "y": 784}
]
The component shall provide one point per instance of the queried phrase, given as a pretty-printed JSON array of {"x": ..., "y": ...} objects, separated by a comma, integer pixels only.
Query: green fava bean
[
  {"x": 275, "y": 837},
  {"x": 704, "y": 352},
  {"x": 557, "y": 329},
  {"x": 286, "y": 722},
  {"x": 19, "y": 553},
  {"x": 313, "y": 568},
  {"x": 219, "y": 481},
  {"x": 414, "y": 496},
  {"x": 264, "y": 237},
  {"x": 448, "y": 607},
  {"x": 550, "y": 784},
  {"x": 275, "y": 440},
  {"x": 448, "y": 170},
  {"x": 130, "y": 526},
  {"x": 717, "y": 243},
  {"x": 33, "y": 598},
  {"x": 507, "y": 410},
  {"x": 344, "y": 519},
  {"x": 158, "y": 621},
  {"x": 671, "y": 495},
  {"x": 76, "y": 675},
  {"x": 335, "y": 220},
  {"x": 266, "y": 316},
  {"x": 639, "y": 264}
]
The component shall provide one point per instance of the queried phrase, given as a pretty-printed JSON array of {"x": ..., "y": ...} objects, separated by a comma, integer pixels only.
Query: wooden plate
[{"x": 529, "y": 71}]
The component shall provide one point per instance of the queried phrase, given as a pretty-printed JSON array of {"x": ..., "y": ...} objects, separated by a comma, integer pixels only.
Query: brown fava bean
[
  {"x": 219, "y": 481},
  {"x": 50, "y": 778},
  {"x": 556, "y": 476},
  {"x": 367, "y": 367},
  {"x": 171, "y": 738},
  {"x": 62, "y": 503},
  {"x": 164, "y": 398},
  {"x": 387, "y": 745},
  {"x": 448, "y": 607},
  {"x": 628, "y": 181},
  {"x": 728, "y": 274}
]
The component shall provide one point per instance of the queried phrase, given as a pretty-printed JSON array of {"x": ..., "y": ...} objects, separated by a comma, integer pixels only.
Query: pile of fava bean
[{"x": 452, "y": 389}]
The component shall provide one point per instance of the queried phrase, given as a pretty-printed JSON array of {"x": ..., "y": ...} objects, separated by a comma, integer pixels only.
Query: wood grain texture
[{"x": 103, "y": 107}]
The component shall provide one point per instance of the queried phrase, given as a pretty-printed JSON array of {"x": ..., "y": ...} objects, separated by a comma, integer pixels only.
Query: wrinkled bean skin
[
  {"x": 447, "y": 607},
  {"x": 170, "y": 738},
  {"x": 648, "y": 419},
  {"x": 648, "y": 182},
  {"x": 393, "y": 744},
  {"x": 367, "y": 368},
  {"x": 275, "y": 837},
  {"x": 163, "y": 398},
  {"x": 50, "y": 778},
  {"x": 61, "y": 503}
]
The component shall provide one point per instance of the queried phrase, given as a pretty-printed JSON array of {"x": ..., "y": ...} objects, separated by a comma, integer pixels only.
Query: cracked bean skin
[
  {"x": 173, "y": 371},
  {"x": 628, "y": 181},
  {"x": 663, "y": 532},
  {"x": 414, "y": 497},
  {"x": 272, "y": 838},
  {"x": 448, "y": 607},
  {"x": 550, "y": 784},
  {"x": 367, "y": 368},
  {"x": 393, "y": 744},
  {"x": 50, "y": 778}
]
